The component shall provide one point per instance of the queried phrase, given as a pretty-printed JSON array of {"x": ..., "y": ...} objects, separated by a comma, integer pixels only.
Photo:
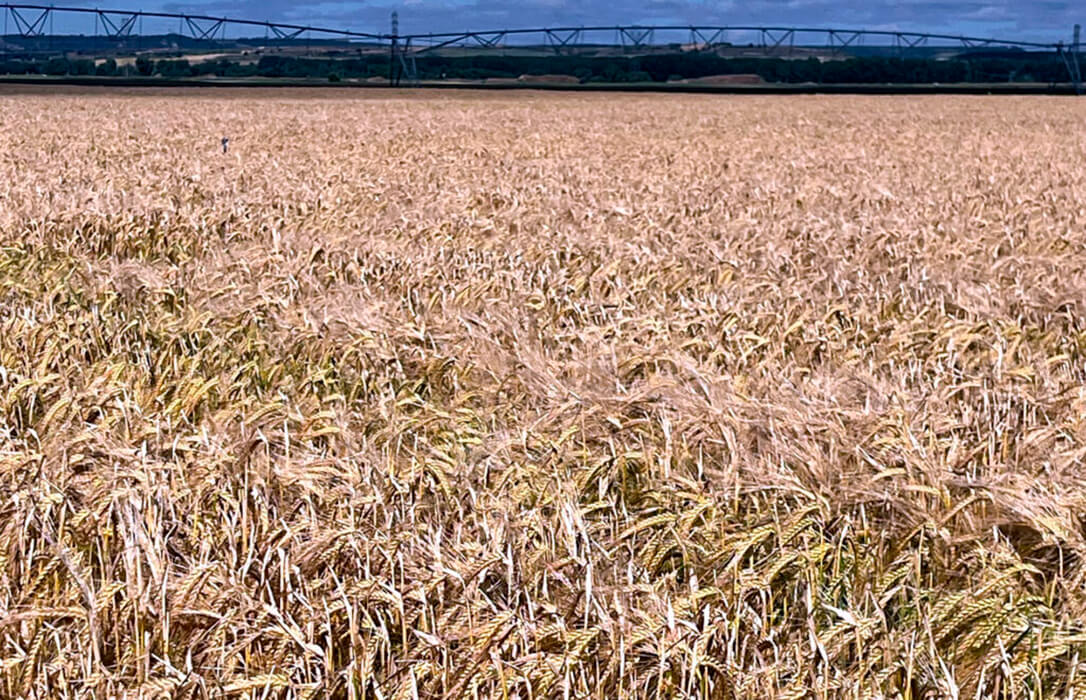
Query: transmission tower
[
  {"x": 1070, "y": 59},
  {"x": 401, "y": 59}
]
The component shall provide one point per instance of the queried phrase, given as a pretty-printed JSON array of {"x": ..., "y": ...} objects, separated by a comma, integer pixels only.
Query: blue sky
[{"x": 1047, "y": 20}]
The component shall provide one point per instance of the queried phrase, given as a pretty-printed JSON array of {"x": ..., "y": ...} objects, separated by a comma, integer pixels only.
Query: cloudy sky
[{"x": 1047, "y": 20}]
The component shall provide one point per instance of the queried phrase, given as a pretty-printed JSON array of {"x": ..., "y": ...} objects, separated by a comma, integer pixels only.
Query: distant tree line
[{"x": 1026, "y": 67}]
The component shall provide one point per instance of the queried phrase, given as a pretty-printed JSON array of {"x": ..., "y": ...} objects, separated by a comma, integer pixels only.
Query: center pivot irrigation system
[{"x": 29, "y": 21}]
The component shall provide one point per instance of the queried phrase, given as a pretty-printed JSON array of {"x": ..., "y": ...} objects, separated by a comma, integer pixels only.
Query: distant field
[
  {"x": 448, "y": 395},
  {"x": 741, "y": 84}
]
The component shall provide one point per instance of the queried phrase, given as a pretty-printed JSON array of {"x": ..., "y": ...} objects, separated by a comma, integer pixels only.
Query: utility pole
[
  {"x": 393, "y": 50},
  {"x": 1076, "y": 70},
  {"x": 1070, "y": 59}
]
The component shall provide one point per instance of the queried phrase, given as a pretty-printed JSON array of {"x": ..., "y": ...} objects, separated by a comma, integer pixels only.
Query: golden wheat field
[{"x": 455, "y": 395}]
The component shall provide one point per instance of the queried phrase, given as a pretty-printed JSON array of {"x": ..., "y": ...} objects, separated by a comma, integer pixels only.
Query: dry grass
[{"x": 526, "y": 396}]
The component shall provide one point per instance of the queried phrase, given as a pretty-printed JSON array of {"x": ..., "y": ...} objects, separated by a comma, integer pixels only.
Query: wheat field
[{"x": 457, "y": 395}]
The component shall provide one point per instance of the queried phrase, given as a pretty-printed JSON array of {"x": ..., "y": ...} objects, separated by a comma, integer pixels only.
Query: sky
[{"x": 1043, "y": 20}]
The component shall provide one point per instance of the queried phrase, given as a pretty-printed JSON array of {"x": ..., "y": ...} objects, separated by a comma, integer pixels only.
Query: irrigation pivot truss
[
  {"x": 32, "y": 21},
  {"x": 29, "y": 20},
  {"x": 774, "y": 41},
  {"x": 707, "y": 36}
]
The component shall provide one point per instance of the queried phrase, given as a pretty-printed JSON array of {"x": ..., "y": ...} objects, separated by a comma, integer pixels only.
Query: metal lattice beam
[
  {"x": 282, "y": 32},
  {"x": 120, "y": 28},
  {"x": 488, "y": 40},
  {"x": 29, "y": 27},
  {"x": 561, "y": 40},
  {"x": 204, "y": 30},
  {"x": 636, "y": 36},
  {"x": 698, "y": 38},
  {"x": 31, "y": 20},
  {"x": 710, "y": 34}
]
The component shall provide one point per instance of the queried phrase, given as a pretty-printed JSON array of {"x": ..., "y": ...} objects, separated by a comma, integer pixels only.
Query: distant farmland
[{"x": 446, "y": 395}]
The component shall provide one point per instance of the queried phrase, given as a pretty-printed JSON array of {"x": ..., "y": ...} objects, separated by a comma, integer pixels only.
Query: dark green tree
[{"x": 144, "y": 65}]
